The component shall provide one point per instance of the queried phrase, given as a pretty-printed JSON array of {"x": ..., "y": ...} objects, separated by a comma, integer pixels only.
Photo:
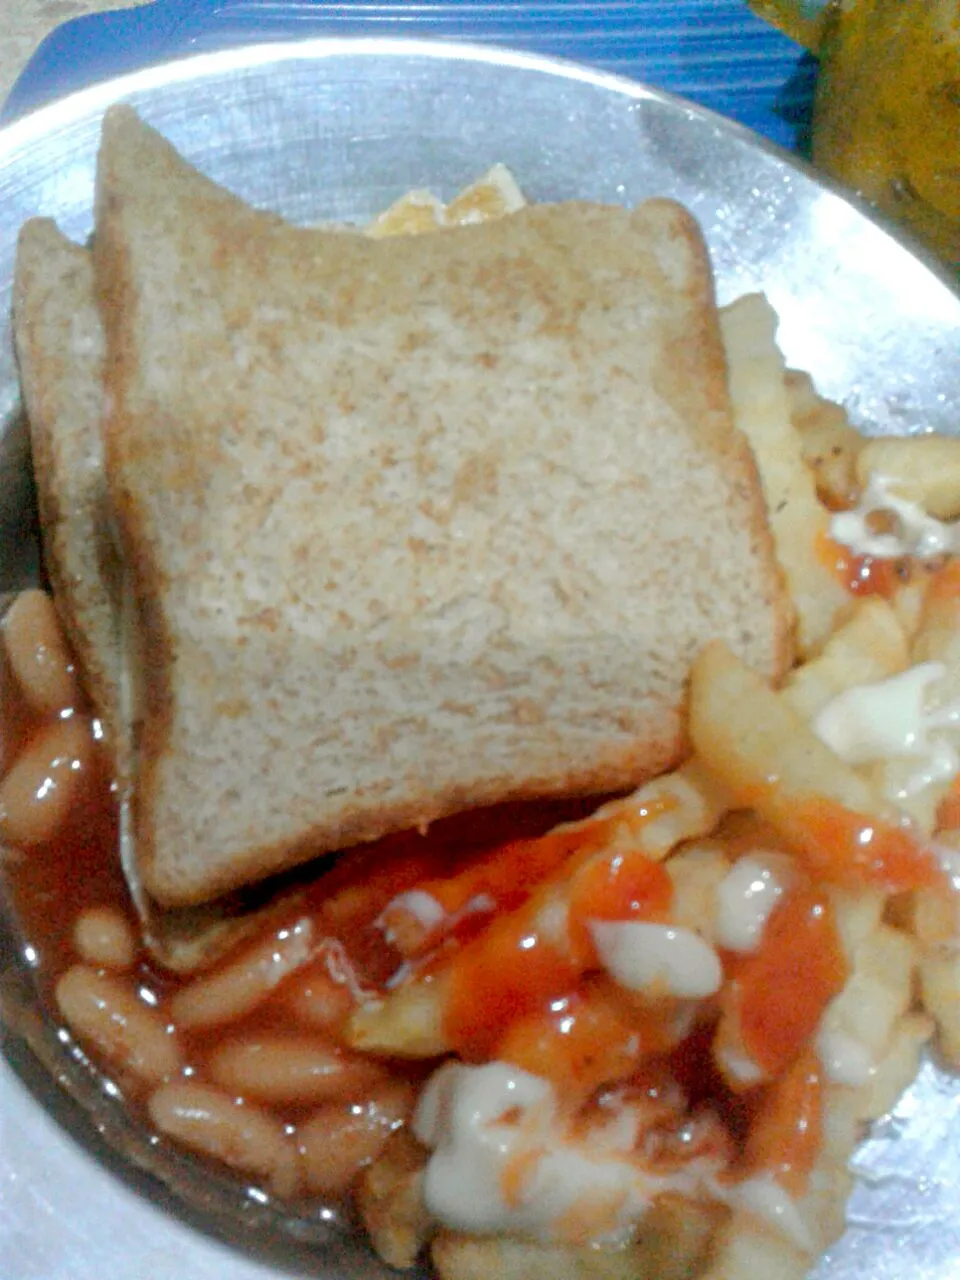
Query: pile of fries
[{"x": 814, "y": 1021}]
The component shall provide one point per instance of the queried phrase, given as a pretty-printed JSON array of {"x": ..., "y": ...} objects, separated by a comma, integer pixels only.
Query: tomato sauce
[
  {"x": 781, "y": 990},
  {"x": 851, "y": 849},
  {"x": 863, "y": 575},
  {"x": 525, "y": 959},
  {"x": 785, "y": 1135},
  {"x": 525, "y": 981}
]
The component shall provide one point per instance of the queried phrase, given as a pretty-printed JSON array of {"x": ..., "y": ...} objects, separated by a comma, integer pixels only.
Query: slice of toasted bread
[
  {"x": 60, "y": 346},
  {"x": 413, "y": 525},
  {"x": 60, "y": 350}
]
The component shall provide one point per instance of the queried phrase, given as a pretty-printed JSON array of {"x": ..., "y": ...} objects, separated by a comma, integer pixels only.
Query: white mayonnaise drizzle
[
  {"x": 639, "y": 955},
  {"x": 424, "y": 908},
  {"x": 739, "y": 1067},
  {"x": 501, "y": 1161},
  {"x": 918, "y": 533},
  {"x": 746, "y": 896},
  {"x": 888, "y": 720},
  {"x": 427, "y": 912}
]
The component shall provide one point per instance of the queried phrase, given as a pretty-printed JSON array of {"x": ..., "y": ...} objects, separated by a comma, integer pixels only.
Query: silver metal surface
[{"x": 334, "y": 129}]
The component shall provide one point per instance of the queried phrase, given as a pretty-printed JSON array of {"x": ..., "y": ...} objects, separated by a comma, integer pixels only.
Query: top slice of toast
[{"x": 412, "y": 525}]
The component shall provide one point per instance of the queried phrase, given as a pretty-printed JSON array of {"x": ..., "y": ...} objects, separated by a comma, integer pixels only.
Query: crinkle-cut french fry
[
  {"x": 878, "y": 991},
  {"x": 672, "y": 1243},
  {"x": 747, "y": 1249},
  {"x": 771, "y": 760},
  {"x": 896, "y": 1068},
  {"x": 762, "y": 412},
  {"x": 802, "y": 396},
  {"x": 389, "y": 1199},
  {"x": 869, "y": 645},
  {"x": 940, "y": 992},
  {"x": 675, "y": 1236},
  {"x": 406, "y": 1023},
  {"x": 696, "y": 871},
  {"x": 922, "y": 469},
  {"x": 822, "y": 1208},
  {"x": 758, "y": 744},
  {"x": 857, "y": 915},
  {"x": 464, "y": 1257},
  {"x": 908, "y": 602},
  {"x": 937, "y": 639},
  {"x": 933, "y": 915},
  {"x": 678, "y": 806},
  {"x": 829, "y": 443}
]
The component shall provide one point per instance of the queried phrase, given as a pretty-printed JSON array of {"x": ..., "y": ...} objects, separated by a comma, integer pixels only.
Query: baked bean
[
  {"x": 280, "y": 1069},
  {"x": 240, "y": 1135},
  {"x": 107, "y": 1013},
  {"x": 238, "y": 988},
  {"x": 338, "y": 1141},
  {"x": 103, "y": 937},
  {"x": 39, "y": 657},
  {"x": 38, "y": 791},
  {"x": 315, "y": 999}
]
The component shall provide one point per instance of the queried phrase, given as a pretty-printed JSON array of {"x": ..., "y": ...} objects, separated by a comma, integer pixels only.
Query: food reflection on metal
[{"x": 887, "y": 106}]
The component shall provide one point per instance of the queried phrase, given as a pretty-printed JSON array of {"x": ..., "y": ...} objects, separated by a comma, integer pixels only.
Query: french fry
[
  {"x": 678, "y": 806},
  {"x": 771, "y": 761},
  {"x": 802, "y": 396},
  {"x": 747, "y": 1249},
  {"x": 762, "y": 412},
  {"x": 672, "y": 1243},
  {"x": 406, "y": 1022},
  {"x": 940, "y": 992},
  {"x": 829, "y": 444},
  {"x": 464, "y": 1257},
  {"x": 908, "y": 601},
  {"x": 922, "y": 469},
  {"x": 697, "y": 871},
  {"x": 856, "y": 915},
  {"x": 877, "y": 994},
  {"x": 390, "y": 1202},
  {"x": 674, "y": 1238},
  {"x": 899, "y": 1065},
  {"x": 937, "y": 640},
  {"x": 822, "y": 1207},
  {"x": 869, "y": 645}
]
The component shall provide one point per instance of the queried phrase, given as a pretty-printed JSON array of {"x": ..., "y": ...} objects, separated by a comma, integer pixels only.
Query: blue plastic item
[{"x": 713, "y": 51}]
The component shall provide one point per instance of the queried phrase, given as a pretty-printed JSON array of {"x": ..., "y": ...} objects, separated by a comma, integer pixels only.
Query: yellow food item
[{"x": 887, "y": 108}]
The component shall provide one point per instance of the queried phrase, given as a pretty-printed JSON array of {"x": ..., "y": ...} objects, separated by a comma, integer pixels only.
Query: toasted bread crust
[
  {"x": 60, "y": 351},
  {"x": 196, "y": 691}
]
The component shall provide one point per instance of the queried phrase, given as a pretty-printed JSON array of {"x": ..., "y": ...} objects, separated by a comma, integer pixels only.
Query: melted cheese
[
  {"x": 746, "y": 896},
  {"x": 502, "y": 1162},
  {"x": 888, "y": 720},
  {"x": 639, "y": 955},
  {"x": 917, "y": 534}
]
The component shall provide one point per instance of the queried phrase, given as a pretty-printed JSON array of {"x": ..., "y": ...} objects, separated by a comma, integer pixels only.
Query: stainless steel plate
[{"x": 334, "y": 129}]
